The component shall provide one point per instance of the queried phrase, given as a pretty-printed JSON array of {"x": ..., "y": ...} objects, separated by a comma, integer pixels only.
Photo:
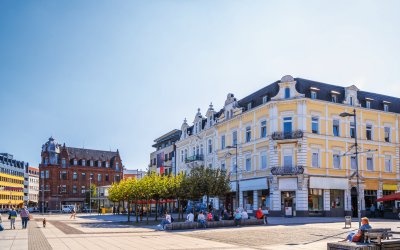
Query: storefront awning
[
  {"x": 390, "y": 197},
  {"x": 389, "y": 187},
  {"x": 328, "y": 183}
]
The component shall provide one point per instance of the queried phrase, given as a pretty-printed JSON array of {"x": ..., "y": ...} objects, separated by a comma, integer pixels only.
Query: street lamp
[
  {"x": 90, "y": 195},
  {"x": 354, "y": 114},
  {"x": 236, "y": 172}
]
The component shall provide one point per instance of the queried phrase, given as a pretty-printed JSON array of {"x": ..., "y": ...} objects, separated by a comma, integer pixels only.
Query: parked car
[
  {"x": 33, "y": 210},
  {"x": 67, "y": 208}
]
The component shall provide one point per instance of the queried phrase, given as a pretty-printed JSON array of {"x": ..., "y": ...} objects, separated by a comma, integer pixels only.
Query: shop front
[
  {"x": 254, "y": 193},
  {"x": 327, "y": 197}
]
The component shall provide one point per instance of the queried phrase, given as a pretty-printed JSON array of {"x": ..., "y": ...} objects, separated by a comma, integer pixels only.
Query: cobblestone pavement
[{"x": 93, "y": 233}]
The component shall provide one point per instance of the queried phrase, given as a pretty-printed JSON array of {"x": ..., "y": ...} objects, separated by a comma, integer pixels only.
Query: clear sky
[{"x": 118, "y": 74}]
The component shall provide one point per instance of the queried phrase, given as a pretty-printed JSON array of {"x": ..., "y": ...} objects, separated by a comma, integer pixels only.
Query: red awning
[
  {"x": 152, "y": 201},
  {"x": 390, "y": 197}
]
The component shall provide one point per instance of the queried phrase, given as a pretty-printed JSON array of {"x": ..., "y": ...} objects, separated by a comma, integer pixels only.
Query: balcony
[
  {"x": 292, "y": 170},
  {"x": 297, "y": 134},
  {"x": 194, "y": 158}
]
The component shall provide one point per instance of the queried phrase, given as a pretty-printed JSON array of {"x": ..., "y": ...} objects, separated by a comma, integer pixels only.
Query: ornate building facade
[
  {"x": 66, "y": 173},
  {"x": 295, "y": 153}
]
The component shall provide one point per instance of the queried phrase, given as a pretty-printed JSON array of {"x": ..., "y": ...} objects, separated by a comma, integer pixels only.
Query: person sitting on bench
[{"x": 356, "y": 236}]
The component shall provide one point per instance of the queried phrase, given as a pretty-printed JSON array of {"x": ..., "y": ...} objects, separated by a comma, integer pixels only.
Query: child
[{"x": 44, "y": 222}]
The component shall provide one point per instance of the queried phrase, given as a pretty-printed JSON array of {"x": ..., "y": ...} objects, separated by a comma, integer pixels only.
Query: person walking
[
  {"x": 1, "y": 224},
  {"x": 73, "y": 213},
  {"x": 12, "y": 215},
  {"x": 24, "y": 217},
  {"x": 372, "y": 209}
]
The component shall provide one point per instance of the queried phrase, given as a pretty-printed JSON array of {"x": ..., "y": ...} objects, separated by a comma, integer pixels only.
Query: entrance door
[
  {"x": 288, "y": 203},
  {"x": 354, "y": 205}
]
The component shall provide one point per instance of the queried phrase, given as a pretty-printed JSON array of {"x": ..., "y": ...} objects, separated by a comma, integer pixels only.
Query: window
[
  {"x": 337, "y": 198},
  {"x": 233, "y": 167},
  {"x": 47, "y": 187},
  {"x": 75, "y": 162},
  {"x": 287, "y": 160},
  {"x": 91, "y": 163},
  {"x": 99, "y": 164},
  {"x": 116, "y": 165},
  {"x": 92, "y": 176},
  {"x": 107, "y": 164},
  {"x": 234, "y": 138},
  {"x": 248, "y": 134},
  {"x": 336, "y": 161},
  {"x": 368, "y": 132},
  {"x": 352, "y": 130},
  {"x": 335, "y": 127},
  {"x": 248, "y": 163},
  {"x": 264, "y": 99},
  {"x": 386, "y": 107},
  {"x": 368, "y": 104},
  {"x": 41, "y": 174},
  {"x": 263, "y": 160},
  {"x": 63, "y": 188},
  {"x": 75, "y": 176},
  {"x": 83, "y": 176},
  {"x": 117, "y": 178},
  {"x": 315, "y": 200},
  {"x": 315, "y": 159},
  {"x": 74, "y": 189},
  {"x": 47, "y": 174},
  {"x": 353, "y": 162},
  {"x": 370, "y": 163},
  {"x": 314, "y": 125},
  {"x": 387, "y": 134},
  {"x": 263, "y": 131},
  {"x": 222, "y": 141},
  {"x": 351, "y": 102},
  {"x": 209, "y": 146},
  {"x": 83, "y": 189},
  {"x": 63, "y": 163},
  {"x": 181, "y": 155},
  {"x": 313, "y": 95},
  {"x": 107, "y": 178},
  {"x": 83, "y": 162},
  {"x": 46, "y": 161},
  {"x": 287, "y": 125},
  {"x": 223, "y": 167},
  {"x": 98, "y": 177},
  {"x": 334, "y": 98},
  {"x": 388, "y": 163},
  {"x": 63, "y": 175},
  {"x": 201, "y": 150},
  {"x": 248, "y": 105},
  {"x": 287, "y": 92}
]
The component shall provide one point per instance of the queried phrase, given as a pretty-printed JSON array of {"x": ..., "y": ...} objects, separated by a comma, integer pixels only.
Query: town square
[{"x": 177, "y": 124}]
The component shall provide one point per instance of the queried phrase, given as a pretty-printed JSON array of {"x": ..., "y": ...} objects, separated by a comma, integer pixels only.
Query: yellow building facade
[
  {"x": 295, "y": 153},
  {"x": 11, "y": 182}
]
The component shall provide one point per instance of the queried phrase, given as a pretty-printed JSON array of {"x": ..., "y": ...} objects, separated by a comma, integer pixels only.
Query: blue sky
[{"x": 118, "y": 74}]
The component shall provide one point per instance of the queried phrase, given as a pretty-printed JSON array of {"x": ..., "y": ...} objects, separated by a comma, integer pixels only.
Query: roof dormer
[
  {"x": 184, "y": 129},
  {"x": 287, "y": 89},
  {"x": 351, "y": 96}
]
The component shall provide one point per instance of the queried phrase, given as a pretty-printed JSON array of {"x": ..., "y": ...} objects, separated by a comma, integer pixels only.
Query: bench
[
  {"x": 377, "y": 233},
  {"x": 347, "y": 245},
  {"x": 211, "y": 224}
]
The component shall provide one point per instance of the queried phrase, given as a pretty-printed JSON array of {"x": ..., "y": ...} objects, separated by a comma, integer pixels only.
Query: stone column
[
  {"x": 241, "y": 199},
  {"x": 327, "y": 200}
]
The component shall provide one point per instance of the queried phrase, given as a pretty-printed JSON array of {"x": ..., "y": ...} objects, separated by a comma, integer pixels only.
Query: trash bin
[
  {"x": 103, "y": 210},
  {"x": 347, "y": 221}
]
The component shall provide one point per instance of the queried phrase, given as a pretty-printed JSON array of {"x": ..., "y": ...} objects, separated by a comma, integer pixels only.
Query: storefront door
[{"x": 288, "y": 203}]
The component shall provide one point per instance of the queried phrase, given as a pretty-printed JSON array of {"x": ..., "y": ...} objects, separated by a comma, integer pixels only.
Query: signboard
[
  {"x": 287, "y": 170},
  {"x": 288, "y": 211},
  {"x": 160, "y": 162}
]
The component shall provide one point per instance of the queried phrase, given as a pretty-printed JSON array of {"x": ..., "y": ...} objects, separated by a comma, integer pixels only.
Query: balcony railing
[
  {"x": 292, "y": 170},
  {"x": 194, "y": 158},
  {"x": 287, "y": 135}
]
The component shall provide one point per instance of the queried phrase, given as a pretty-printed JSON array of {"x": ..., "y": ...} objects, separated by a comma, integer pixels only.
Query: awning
[
  {"x": 390, "y": 197},
  {"x": 328, "y": 183},
  {"x": 253, "y": 184},
  {"x": 389, "y": 187}
]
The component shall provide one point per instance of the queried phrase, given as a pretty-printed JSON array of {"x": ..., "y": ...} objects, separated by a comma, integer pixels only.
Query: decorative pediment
[{"x": 287, "y": 89}]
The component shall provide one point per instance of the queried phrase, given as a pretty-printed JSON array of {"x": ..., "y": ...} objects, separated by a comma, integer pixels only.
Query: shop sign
[{"x": 287, "y": 170}]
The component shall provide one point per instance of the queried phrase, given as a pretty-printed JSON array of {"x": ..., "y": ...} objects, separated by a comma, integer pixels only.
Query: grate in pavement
[
  {"x": 65, "y": 228},
  {"x": 36, "y": 238}
]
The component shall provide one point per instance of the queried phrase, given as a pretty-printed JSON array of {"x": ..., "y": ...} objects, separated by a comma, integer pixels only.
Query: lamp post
[
  {"x": 90, "y": 195},
  {"x": 236, "y": 172},
  {"x": 354, "y": 114}
]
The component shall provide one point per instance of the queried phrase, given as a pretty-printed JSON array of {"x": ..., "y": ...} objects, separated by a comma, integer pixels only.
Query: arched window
[{"x": 287, "y": 92}]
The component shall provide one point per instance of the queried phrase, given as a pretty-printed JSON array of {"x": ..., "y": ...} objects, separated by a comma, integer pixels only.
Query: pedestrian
[
  {"x": 381, "y": 210},
  {"x": 190, "y": 217},
  {"x": 225, "y": 215},
  {"x": 99, "y": 211},
  {"x": 73, "y": 213},
  {"x": 1, "y": 224},
  {"x": 237, "y": 217},
  {"x": 113, "y": 210},
  {"x": 202, "y": 219},
  {"x": 372, "y": 209},
  {"x": 260, "y": 214},
  {"x": 165, "y": 221},
  {"x": 24, "y": 217},
  {"x": 12, "y": 216}
]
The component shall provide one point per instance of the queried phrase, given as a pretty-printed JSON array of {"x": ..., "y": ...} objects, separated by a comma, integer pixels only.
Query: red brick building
[{"x": 67, "y": 172}]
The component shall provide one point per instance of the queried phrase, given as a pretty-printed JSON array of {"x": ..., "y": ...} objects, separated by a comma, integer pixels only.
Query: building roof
[{"x": 91, "y": 154}]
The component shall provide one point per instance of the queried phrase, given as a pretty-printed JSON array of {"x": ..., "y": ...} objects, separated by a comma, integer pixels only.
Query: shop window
[
  {"x": 370, "y": 198},
  {"x": 337, "y": 198},
  {"x": 315, "y": 200}
]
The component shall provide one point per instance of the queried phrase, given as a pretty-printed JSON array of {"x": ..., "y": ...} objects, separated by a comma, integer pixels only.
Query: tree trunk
[
  {"x": 129, "y": 214},
  {"x": 136, "y": 212},
  {"x": 147, "y": 212}
]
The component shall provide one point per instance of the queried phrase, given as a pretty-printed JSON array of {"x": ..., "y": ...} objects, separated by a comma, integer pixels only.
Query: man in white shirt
[
  {"x": 245, "y": 215},
  {"x": 190, "y": 217},
  {"x": 201, "y": 219},
  {"x": 166, "y": 221}
]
